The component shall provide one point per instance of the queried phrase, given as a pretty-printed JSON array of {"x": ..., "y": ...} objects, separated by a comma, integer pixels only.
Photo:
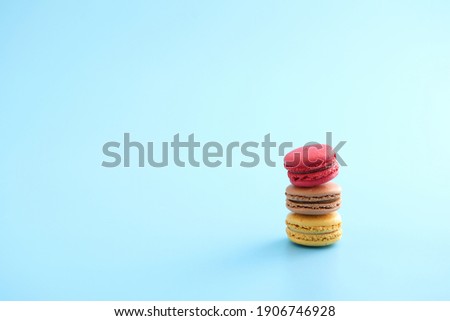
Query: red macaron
[{"x": 311, "y": 165}]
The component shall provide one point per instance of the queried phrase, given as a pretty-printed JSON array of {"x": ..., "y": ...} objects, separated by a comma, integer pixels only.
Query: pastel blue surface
[{"x": 75, "y": 75}]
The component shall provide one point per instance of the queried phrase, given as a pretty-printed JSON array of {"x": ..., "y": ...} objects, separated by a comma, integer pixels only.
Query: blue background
[{"x": 75, "y": 75}]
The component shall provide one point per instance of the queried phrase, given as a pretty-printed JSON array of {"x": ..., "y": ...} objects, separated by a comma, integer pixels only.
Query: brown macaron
[{"x": 316, "y": 200}]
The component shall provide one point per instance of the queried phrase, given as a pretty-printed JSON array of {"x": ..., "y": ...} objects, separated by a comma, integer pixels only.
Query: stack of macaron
[{"x": 312, "y": 198}]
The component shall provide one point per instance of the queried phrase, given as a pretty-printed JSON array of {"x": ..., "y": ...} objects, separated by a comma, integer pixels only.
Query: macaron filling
[
  {"x": 317, "y": 175},
  {"x": 303, "y": 237},
  {"x": 310, "y": 171},
  {"x": 314, "y": 206},
  {"x": 313, "y": 229}
]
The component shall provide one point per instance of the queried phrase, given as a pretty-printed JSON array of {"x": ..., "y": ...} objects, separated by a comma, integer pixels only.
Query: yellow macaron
[{"x": 314, "y": 230}]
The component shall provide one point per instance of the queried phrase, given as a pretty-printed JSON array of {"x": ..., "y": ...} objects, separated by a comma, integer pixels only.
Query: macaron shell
[
  {"x": 325, "y": 191},
  {"x": 314, "y": 239},
  {"x": 309, "y": 157},
  {"x": 314, "y": 224},
  {"x": 329, "y": 219}
]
